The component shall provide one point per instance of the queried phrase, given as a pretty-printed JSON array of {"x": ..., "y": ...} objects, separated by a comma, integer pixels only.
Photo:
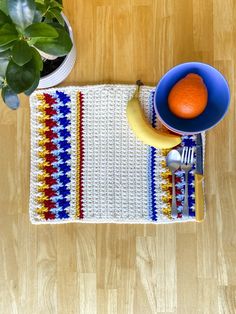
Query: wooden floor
[{"x": 125, "y": 269}]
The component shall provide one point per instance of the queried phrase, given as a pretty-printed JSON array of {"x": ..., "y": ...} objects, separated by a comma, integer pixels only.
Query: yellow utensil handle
[{"x": 199, "y": 200}]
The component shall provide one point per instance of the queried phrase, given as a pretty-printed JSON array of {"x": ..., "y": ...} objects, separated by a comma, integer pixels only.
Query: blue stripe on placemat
[
  {"x": 64, "y": 166},
  {"x": 151, "y": 165}
]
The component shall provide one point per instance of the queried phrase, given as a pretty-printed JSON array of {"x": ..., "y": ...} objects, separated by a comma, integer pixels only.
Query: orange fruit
[{"x": 188, "y": 97}]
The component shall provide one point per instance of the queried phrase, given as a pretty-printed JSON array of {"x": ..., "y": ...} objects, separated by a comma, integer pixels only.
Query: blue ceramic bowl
[{"x": 218, "y": 98}]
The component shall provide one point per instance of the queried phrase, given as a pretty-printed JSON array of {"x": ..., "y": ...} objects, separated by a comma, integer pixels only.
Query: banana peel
[{"x": 143, "y": 129}]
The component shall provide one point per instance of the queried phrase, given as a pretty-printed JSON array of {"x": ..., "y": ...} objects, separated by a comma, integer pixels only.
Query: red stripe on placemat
[{"x": 80, "y": 156}]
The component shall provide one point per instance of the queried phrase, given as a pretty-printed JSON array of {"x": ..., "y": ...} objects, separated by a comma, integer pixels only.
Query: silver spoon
[{"x": 173, "y": 161}]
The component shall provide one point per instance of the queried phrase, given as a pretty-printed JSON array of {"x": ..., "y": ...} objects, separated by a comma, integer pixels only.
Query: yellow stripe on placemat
[{"x": 166, "y": 185}]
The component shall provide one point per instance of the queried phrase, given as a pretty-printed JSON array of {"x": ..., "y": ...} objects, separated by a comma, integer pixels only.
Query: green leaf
[
  {"x": 5, "y": 54},
  {"x": 10, "y": 98},
  {"x": 41, "y": 7},
  {"x": 32, "y": 41},
  {"x": 57, "y": 15},
  {"x": 8, "y": 33},
  {"x": 3, "y": 67},
  {"x": 34, "y": 85},
  {"x": 21, "y": 12},
  {"x": 7, "y": 46},
  {"x": 20, "y": 78},
  {"x": 4, "y": 18},
  {"x": 39, "y": 1},
  {"x": 3, "y": 6},
  {"x": 45, "y": 3},
  {"x": 21, "y": 52},
  {"x": 55, "y": 4},
  {"x": 59, "y": 46},
  {"x": 37, "y": 60},
  {"x": 41, "y": 30}
]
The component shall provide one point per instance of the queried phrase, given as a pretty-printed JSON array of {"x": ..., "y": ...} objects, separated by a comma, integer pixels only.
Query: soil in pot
[{"x": 50, "y": 66}]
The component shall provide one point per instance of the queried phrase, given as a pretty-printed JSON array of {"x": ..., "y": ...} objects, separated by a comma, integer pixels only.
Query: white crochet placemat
[{"x": 88, "y": 166}]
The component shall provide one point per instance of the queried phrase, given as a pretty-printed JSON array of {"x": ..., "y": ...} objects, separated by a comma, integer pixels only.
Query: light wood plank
[{"x": 88, "y": 297}]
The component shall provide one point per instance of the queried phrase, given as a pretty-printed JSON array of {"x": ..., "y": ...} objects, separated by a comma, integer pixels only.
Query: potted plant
[{"x": 36, "y": 47}]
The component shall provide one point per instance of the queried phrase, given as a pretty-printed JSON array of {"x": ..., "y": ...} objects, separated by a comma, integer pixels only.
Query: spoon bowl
[{"x": 173, "y": 160}]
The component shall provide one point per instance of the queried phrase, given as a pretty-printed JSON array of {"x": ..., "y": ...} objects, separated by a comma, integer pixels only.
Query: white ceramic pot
[{"x": 64, "y": 69}]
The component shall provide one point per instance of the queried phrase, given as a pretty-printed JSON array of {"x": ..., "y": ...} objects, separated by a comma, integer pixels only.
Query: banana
[{"x": 143, "y": 129}]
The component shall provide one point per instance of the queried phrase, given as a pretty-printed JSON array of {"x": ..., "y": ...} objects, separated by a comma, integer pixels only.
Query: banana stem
[{"x": 136, "y": 93}]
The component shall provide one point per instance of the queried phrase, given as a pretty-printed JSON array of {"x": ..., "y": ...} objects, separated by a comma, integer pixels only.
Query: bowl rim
[{"x": 180, "y": 65}]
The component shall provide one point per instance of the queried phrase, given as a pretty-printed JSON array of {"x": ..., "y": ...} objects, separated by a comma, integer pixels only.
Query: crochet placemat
[{"x": 88, "y": 166}]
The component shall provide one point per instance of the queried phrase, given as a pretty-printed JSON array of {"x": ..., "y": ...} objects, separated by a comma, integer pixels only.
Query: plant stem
[{"x": 43, "y": 15}]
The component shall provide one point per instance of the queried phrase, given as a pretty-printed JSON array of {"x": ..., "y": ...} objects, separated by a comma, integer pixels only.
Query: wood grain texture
[{"x": 117, "y": 269}]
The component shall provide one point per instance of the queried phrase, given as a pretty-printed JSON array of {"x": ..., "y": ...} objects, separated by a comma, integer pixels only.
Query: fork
[{"x": 186, "y": 165}]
